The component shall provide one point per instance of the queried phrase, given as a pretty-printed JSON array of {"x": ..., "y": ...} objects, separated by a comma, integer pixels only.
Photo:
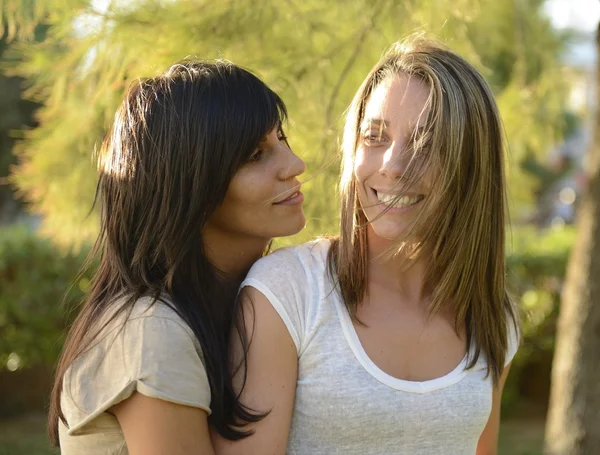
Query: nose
[
  {"x": 395, "y": 161},
  {"x": 291, "y": 166}
]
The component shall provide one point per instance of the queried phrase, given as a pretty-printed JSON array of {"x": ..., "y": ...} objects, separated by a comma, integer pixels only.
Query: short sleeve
[
  {"x": 512, "y": 346},
  {"x": 514, "y": 339},
  {"x": 282, "y": 278},
  {"x": 154, "y": 354}
]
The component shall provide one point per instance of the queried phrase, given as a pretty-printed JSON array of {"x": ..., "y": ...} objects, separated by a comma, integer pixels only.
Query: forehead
[{"x": 400, "y": 101}]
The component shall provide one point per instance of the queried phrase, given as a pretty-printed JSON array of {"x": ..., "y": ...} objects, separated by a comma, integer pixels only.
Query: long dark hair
[{"x": 176, "y": 142}]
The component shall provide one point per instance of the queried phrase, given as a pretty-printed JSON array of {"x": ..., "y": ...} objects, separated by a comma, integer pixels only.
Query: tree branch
[{"x": 350, "y": 63}]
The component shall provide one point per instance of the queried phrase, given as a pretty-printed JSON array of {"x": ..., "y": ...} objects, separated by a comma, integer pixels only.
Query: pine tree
[
  {"x": 313, "y": 53},
  {"x": 16, "y": 113}
]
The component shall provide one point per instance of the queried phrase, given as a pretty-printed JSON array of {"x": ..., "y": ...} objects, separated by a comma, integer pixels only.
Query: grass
[
  {"x": 521, "y": 437},
  {"x": 26, "y": 435}
]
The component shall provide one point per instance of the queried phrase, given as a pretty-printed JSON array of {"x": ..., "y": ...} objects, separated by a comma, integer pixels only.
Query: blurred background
[{"x": 64, "y": 66}]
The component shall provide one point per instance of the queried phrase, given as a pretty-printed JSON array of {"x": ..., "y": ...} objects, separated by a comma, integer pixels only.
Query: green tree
[
  {"x": 313, "y": 53},
  {"x": 15, "y": 114}
]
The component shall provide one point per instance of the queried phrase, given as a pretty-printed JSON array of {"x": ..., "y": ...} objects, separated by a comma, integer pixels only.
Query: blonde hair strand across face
[{"x": 461, "y": 226}]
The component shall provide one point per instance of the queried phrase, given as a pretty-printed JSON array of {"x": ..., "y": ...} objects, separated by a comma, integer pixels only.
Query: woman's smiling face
[
  {"x": 263, "y": 199},
  {"x": 395, "y": 113}
]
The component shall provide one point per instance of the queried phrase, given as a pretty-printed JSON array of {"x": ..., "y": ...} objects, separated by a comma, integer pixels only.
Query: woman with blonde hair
[{"x": 395, "y": 337}]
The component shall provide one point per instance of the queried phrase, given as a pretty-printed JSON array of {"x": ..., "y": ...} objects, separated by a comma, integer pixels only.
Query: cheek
[
  {"x": 362, "y": 165},
  {"x": 362, "y": 172},
  {"x": 246, "y": 207},
  {"x": 430, "y": 177},
  {"x": 236, "y": 196},
  {"x": 250, "y": 188}
]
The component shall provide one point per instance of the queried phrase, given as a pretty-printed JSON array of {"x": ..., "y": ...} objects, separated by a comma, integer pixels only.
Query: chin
[
  {"x": 291, "y": 226},
  {"x": 389, "y": 231},
  {"x": 297, "y": 226}
]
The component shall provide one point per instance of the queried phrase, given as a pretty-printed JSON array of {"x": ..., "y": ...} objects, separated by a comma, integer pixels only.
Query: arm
[
  {"x": 156, "y": 427},
  {"x": 272, "y": 363},
  {"x": 488, "y": 441}
]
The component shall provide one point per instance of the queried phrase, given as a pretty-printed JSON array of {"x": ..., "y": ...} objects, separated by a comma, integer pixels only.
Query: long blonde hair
[{"x": 461, "y": 227}]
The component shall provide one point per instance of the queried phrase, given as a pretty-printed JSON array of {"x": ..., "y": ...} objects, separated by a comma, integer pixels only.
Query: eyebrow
[
  {"x": 382, "y": 124},
  {"x": 375, "y": 121},
  {"x": 278, "y": 126}
]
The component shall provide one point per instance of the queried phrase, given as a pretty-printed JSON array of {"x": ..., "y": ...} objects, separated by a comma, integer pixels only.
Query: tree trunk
[{"x": 573, "y": 426}]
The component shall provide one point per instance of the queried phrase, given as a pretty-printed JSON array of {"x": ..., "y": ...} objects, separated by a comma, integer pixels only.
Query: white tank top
[{"x": 346, "y": 404}]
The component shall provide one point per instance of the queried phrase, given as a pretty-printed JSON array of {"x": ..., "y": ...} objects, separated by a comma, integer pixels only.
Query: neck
[
  {"x": 401, "y": 273},
  {"x": 232, "y": 254}
]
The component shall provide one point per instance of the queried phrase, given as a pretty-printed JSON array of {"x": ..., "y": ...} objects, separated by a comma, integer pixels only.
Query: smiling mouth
[
  {"x": 395, "y": 202},
  {"x": 291, "y": 196},
  {"x": 295, "y": 198}
]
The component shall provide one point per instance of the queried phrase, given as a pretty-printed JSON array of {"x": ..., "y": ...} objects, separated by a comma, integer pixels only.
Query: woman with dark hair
[
  {"x": 196, "y": 178},
  {"x": 396, "y": 336}
]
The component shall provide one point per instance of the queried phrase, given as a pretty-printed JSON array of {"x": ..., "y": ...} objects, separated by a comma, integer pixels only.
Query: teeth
[
  {"x": 291, "y": 196},
  {"x": 404, "y": 201}
]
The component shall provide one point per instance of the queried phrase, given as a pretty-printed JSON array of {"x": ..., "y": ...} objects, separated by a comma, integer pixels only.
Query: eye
[
  {"x": 256, "y": 156},
  {"x": 373, "y": 138}
]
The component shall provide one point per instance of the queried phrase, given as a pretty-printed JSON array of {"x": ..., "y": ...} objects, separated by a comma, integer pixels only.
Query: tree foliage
[
  {"x": 16, "y": 113},
  {"x": 315, "y": 54}
]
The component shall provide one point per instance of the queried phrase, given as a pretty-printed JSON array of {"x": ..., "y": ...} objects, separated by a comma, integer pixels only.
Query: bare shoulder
[
  {"x": 263, "y": 324},
  {"x": 269, "y": 383}
]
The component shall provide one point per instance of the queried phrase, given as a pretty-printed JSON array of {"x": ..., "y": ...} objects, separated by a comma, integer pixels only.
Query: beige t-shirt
[{"x": 154, "y": 352}]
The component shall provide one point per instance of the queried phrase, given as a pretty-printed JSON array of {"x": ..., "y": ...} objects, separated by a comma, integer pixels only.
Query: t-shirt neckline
[{"x": 454, "y": 376}]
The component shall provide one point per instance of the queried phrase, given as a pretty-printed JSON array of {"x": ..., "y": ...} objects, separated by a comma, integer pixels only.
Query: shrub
[
  {"x": 536, "y": 265},
  {"x": 37, "y": 297},
  {"x": 39, "y": 293}
]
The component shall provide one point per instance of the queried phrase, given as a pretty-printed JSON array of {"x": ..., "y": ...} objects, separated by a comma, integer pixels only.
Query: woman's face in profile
[
  {"x": 264, "y": 199},
  {"x": 395, "y": 113}
]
